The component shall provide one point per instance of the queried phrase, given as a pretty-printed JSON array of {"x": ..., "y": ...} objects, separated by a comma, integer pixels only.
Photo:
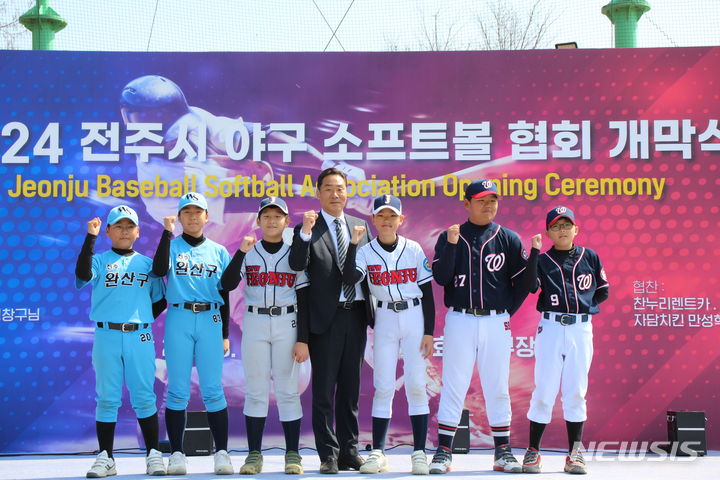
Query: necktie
[{"x": 342, "y": 244}]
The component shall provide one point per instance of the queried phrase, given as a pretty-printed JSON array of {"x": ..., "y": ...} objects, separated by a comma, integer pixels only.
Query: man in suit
[{"x": 337, "y": 315}]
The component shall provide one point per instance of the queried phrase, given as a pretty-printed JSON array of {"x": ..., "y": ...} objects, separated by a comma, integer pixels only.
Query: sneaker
[
  {"x": 253, "y": 464},
  {"x": 223, "y": 465},
  {"x": 575, "y": 463},
  {"x": 177, "y": 464},
  {"x": 419, "y": 463},
  {"x": 442, "y": 460},
  {"x": 505, "y": 461},
  {"x": 375, "y": 463},
  {"x": 531, "y": 461},
  {"x": 293, "y": 463},
  {"x": 104, "y": 466},
  {"x": 154, "y": 463}
]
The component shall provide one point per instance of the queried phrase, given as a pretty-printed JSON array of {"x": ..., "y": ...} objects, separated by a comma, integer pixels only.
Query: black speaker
[
  {"x": 461, "y": 442},
  {"x": 198, "y": 440},
  {"x": 684, "y": 427}
]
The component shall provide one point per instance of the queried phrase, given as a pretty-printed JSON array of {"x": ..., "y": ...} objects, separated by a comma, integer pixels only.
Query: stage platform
[{"x": 465, "y": 467}]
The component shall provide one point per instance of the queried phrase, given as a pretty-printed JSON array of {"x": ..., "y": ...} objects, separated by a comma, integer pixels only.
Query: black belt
[
  {"x": 566, "y": 318},
  {"x": 197, "y": 307},
  {"x": 350, "y": 305},
  {"x": 399, "y": 306},
  {"x": 478, "y": 312},
  {"x": 123, "y": 327},
  {"x": 272, "y": 311}
]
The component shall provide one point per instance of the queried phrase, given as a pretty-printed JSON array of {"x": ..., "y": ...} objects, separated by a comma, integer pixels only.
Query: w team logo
[
  {"x": 584, "y": 281},
  {"x": 560, "y": 210},
  {"x": 494, "y": 261},
  {"x": 487, "y": 184}
]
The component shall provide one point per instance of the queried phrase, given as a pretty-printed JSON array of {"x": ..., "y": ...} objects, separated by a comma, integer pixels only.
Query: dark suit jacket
[{"x": 318, "y": 257}]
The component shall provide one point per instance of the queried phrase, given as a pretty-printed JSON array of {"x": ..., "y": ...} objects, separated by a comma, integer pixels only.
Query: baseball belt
[
  {"x": 197, "y": 307},
  {"x": 400, "y": 305},
  {"x": 123, "y": 327},
  {"x": 478, "y": 312},
  {"x": 272, "y": 311},
  {"x": 567, "y": 318}
]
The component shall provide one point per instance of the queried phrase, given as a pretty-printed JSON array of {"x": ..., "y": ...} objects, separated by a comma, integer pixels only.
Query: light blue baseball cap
[
  {"x": 120, "y": 212},
  {"x": 192, "y": 198}
]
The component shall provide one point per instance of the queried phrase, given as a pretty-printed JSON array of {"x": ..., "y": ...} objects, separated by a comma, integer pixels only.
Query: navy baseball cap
[
  {"x": 192, "y": 198},
  {"x": 481, "y": 188},
  {"x": 387, "y": 201},
  {"x": 273, "y": 202},
  {"x": 120, "y": 212},
  {"x": 556, "y": 214}
]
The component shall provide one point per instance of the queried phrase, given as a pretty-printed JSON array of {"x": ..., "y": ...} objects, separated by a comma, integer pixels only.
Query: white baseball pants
[
  {"x": 487, "y": 342},
  {"x": 399, "y": 334},
  {"x": 563, "y": 354}
]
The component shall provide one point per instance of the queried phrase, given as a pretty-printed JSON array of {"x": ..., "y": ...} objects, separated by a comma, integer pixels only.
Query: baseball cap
[
  {"x": 481, "y": 188},
  {"x": 387, "y": 201},
  {"x": 192, "y": 198},
  {"x": 120, "y": 212},
  {"x": 273, "y": 202},
  {"x": 557, "y": 213}
]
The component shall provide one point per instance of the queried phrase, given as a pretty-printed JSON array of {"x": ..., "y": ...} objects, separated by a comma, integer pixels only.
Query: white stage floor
[{"x": 472, "y": 466}]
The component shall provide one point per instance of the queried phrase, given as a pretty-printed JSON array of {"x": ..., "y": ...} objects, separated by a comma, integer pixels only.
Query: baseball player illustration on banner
[
  {"x": 126, "y": 298},
  {"x": 479, "y": 264},
  {"x": 572, "y": 283},
  {"x": 196, "y": 327},
  {"x": 273, "y": 344},
  {"x": 400, "y": 279}
]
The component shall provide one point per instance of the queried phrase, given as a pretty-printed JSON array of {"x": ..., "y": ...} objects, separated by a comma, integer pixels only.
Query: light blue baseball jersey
[
  {"x": 123, "y": 288},
  {"x": 195, "y": 272}
]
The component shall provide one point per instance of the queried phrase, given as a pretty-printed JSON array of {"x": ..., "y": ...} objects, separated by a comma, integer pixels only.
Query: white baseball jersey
[
  {"x": 269, "y": 280},
  {"x": 397, "y": 275}
]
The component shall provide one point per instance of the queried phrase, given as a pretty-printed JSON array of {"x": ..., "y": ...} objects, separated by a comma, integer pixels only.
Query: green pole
[
  {"x": 43, "y": 22},
  {"x": 624, "y": 14}
]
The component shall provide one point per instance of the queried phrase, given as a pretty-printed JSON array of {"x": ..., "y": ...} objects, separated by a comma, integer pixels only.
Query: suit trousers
[{"x": 337, "y": 358}]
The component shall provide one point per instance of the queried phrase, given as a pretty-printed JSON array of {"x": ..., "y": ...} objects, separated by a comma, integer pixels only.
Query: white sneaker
[
  {"x": 223, "y": 465},
  {"x": 442, "y": 461},
  {"x": 375, "y": 463},
  {"x": 177, "y": 464},
  {"x": 154, "y": 463},
  {"x": 104, "y": 466},
  {"x": 505, "y": 461},
  {"x": 419, "y": 463}
]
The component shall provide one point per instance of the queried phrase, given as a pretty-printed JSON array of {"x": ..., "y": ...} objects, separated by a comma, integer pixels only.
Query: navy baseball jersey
[
  {"x": 397, "y": 275},
  {"x": 124, "y": 288},
  {"x": 195, "y": 272},
  {"x": 569, "y": 281},
  {"x": 481, "y": 270}
]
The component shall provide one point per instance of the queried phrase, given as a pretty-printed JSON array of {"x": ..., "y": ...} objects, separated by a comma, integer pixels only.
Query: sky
[{"x": 367, "y": 25}]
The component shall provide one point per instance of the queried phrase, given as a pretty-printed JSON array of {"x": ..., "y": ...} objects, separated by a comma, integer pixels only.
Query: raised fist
[
  {"x": 247, "y": 243},
  {"x": 537, "y": 241},
  {"x": 453, "y": 234},
  {"x": 308, "y": 223},
  {"x": 357, "y": 234},
  {"x": 94, "y": 226},
  {"x": 169, "y": 223}
]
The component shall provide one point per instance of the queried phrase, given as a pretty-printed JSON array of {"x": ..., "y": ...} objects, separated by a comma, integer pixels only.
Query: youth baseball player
[
  {"x": 271, "y": 344},
  {"x": 479, "y": 263},
  {"x": 126, "y": 298},
  {"x": 195, "y": 327},
  {"x": 399, "y": 277},
  {"x": 572, "y": 283}
]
